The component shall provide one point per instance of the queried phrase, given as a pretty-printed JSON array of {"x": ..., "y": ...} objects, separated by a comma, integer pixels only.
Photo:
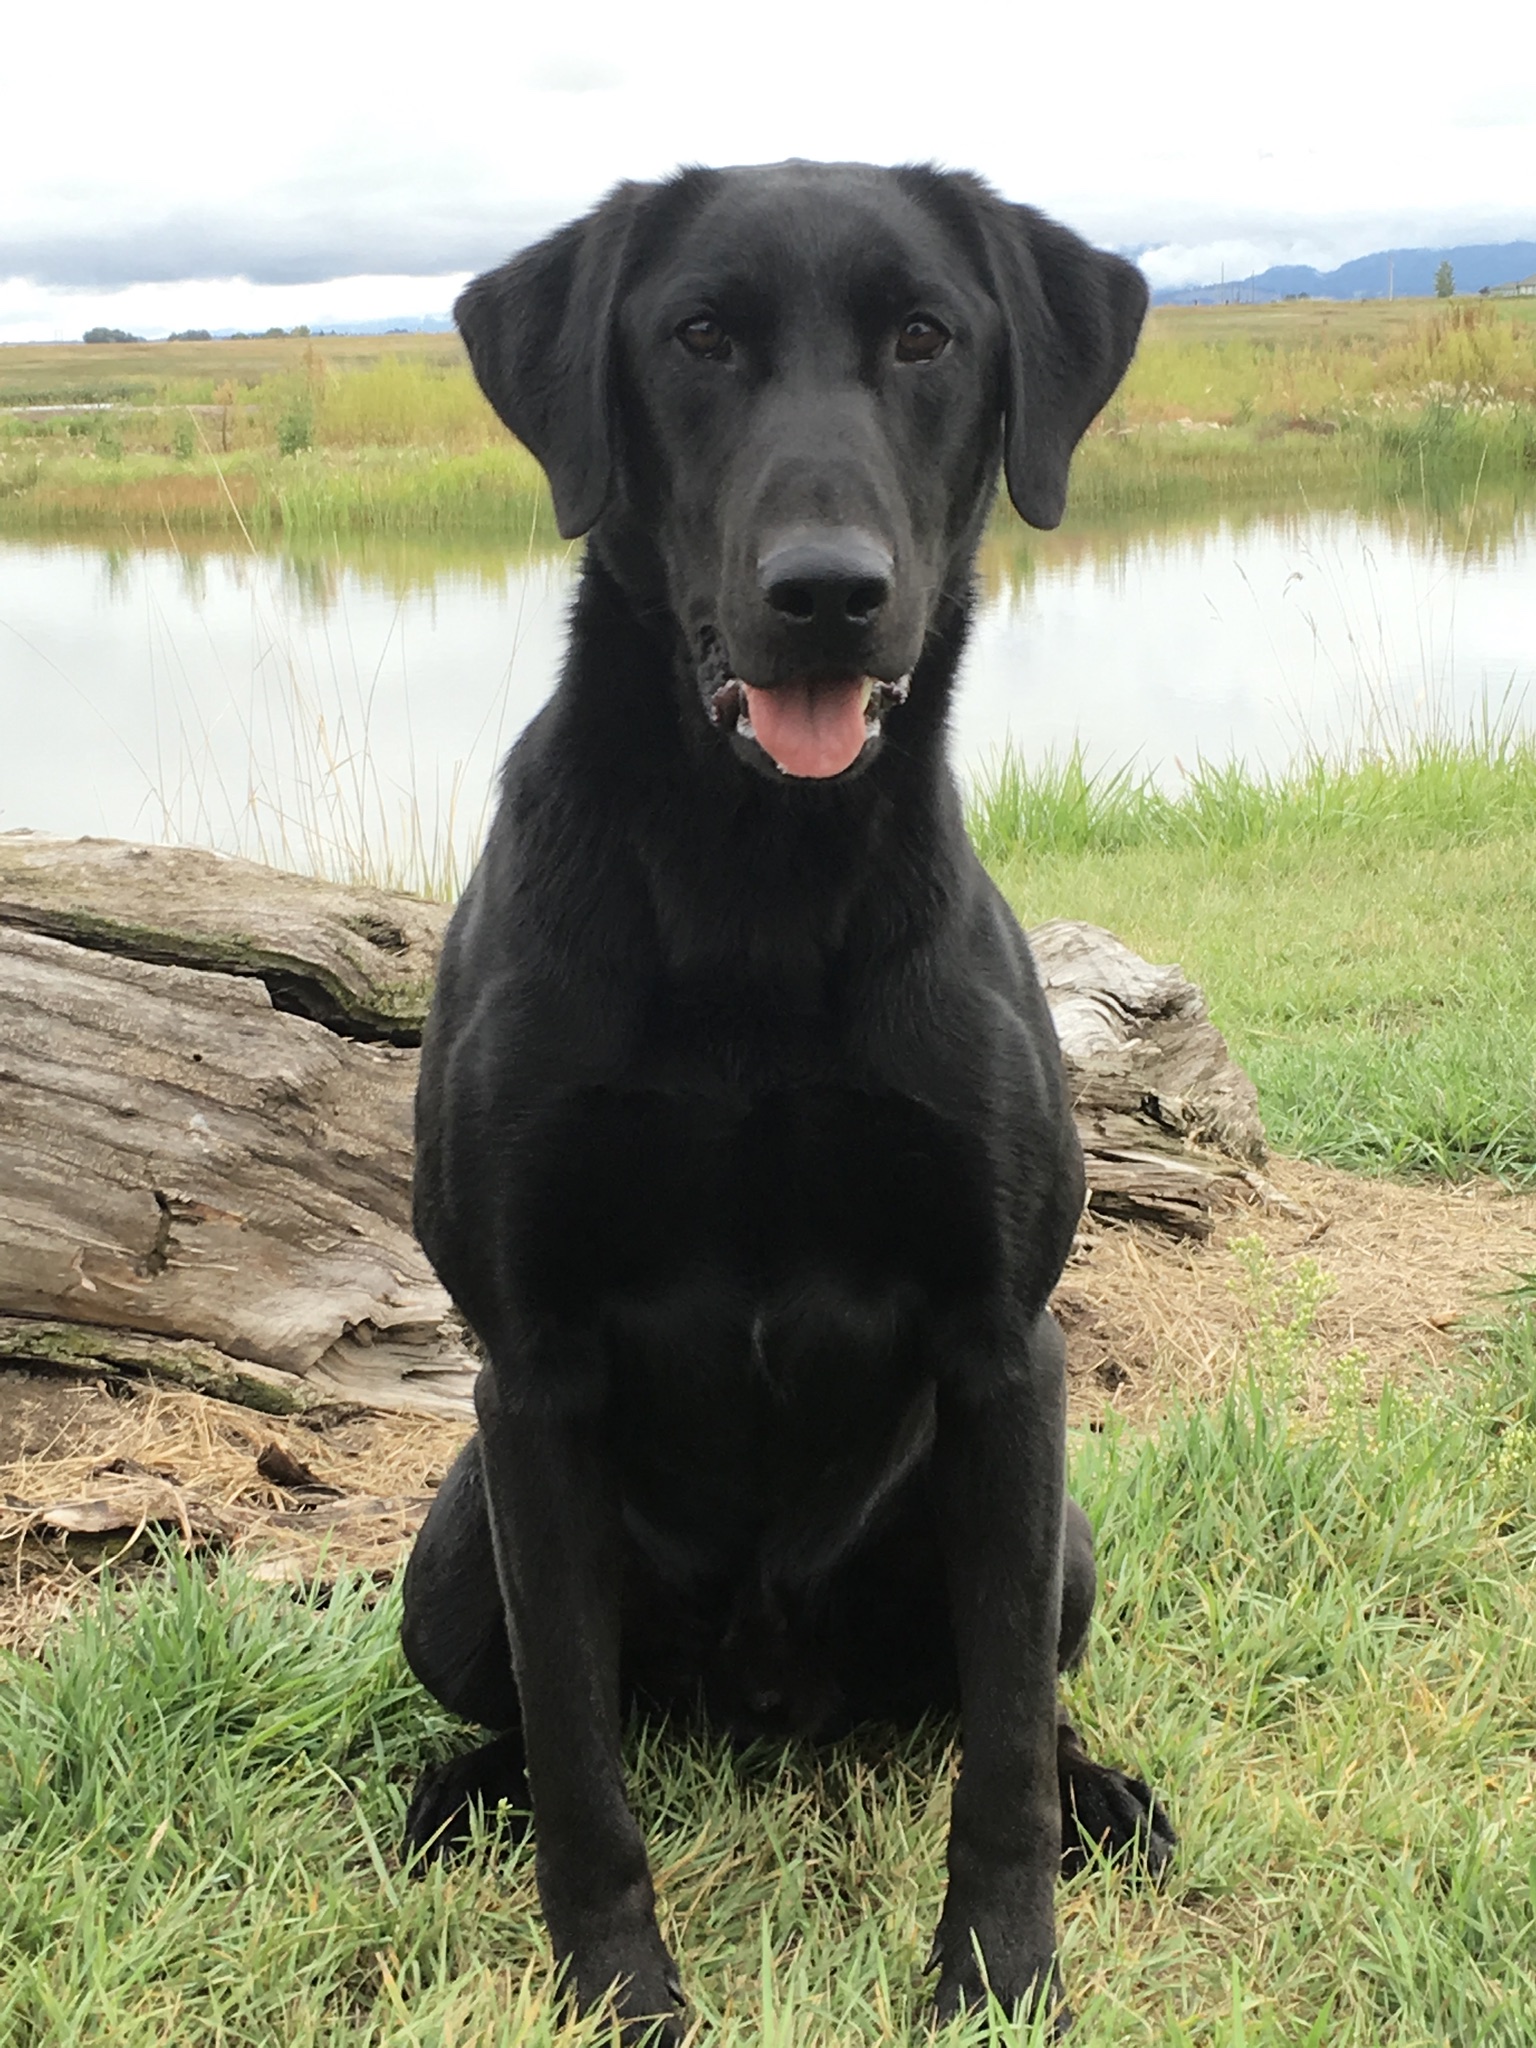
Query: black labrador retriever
[{"x": 742, "y": 1137}]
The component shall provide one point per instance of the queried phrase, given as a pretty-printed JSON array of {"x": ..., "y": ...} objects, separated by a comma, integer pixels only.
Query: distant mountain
[
  {"x": 1405, "y": 273},
  {"x": 424, "y": 323},
  {"x": 404, "y": 323}
]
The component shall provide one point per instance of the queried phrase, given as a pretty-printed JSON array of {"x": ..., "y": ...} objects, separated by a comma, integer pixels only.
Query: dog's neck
[{"x": 754, "y": 880}]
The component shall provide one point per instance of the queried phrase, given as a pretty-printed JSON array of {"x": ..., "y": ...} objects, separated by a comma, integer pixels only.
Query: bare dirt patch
[{"x": 92, "y": 1473}]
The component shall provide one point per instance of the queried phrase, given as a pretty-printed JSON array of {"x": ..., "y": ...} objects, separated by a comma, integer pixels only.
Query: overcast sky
[{"x": 179, "y": 164}]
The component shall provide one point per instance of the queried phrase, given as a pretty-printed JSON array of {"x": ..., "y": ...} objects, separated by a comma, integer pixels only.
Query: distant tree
[
  {"x": 109, "y": 334},
  {"x": 191, "y": 334},
  {"x": 1445, "y": 281}
]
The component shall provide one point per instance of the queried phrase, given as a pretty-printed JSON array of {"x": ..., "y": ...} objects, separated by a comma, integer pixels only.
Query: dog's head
[{"x": 786, "y": 391}]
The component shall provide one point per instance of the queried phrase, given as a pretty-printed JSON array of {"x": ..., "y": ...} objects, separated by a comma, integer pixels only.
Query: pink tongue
[{"x": 809, "y": 731}]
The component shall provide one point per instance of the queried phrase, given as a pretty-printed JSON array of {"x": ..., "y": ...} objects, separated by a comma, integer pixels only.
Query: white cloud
[
  {"x": 317, "y": 139},
  {"x": 565, "y": 71}
]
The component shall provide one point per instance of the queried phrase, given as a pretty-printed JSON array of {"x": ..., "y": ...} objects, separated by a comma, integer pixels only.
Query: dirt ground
[
  {"x": 88, "y": 1469},
  {"x": 1408, "y": 1268}
]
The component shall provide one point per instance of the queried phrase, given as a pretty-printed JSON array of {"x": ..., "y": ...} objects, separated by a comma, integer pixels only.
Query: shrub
[{"x": 296, "y": 427}]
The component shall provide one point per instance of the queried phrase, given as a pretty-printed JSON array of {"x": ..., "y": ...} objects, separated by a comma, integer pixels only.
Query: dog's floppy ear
[
  {"x": 540, "y": 337},
  {"x": 1073, "y": 316}
]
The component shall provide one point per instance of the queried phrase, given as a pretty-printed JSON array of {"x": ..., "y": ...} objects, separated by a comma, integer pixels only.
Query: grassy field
[
  {"x": 311, "y": 437},
  {"x": 1366, "y": 936},
  {"x": 1320, "y": 1639}
]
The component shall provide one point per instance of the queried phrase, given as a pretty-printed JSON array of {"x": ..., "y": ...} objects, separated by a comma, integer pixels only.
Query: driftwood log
[{"x": 206, "y": 1074}]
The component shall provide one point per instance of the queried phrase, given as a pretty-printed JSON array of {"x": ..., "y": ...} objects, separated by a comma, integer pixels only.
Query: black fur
[{"x": 742, "y": 1136}]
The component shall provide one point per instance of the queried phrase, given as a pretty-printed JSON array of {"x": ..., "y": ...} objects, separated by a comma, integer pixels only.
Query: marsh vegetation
[{"x": 308, "y": 437}]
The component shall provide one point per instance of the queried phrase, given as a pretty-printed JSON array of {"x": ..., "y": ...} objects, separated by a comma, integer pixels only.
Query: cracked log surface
[
  {"x": 179, "y": 1160},
  {"x": 201, "y": 1179},
  {"x": 1168, "y": 1120},
  {"x": 361, "y": 960}
]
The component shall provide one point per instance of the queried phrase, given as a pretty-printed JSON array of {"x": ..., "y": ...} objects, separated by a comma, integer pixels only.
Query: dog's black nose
[{"x": 834, "y": 576}]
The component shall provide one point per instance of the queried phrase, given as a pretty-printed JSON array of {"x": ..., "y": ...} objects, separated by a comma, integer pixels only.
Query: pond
[{"x": 346, "y": 711}]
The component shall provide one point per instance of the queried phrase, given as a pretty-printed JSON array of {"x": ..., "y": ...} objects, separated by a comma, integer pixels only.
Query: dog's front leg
[
  {"x": 554, "y": 1509},
  {"x": 999, "y": 1455}
]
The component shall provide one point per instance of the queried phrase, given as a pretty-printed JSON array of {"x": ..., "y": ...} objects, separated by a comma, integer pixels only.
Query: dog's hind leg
[
  {"x": 1103, "y": 1811},
  {"x": 454, "y": 1633},
  {"x": 1079, "y": 1587}
]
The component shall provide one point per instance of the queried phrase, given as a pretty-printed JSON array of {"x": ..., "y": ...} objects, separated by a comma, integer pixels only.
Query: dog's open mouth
[{"x": 808, "y": 729}]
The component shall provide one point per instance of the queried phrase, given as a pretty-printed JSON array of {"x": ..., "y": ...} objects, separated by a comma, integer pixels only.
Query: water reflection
[
  {"x": 1485, "y": 526},
  {"x": 346, "y": 708}
]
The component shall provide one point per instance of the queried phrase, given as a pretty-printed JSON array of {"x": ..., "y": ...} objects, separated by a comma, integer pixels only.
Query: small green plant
[
  {"x": 1283, "y": 1342},
  {"x": 1506, "y": 1409},
  {"x": 184, "y": 439},
  {"x": 109, "y": 445},
  {"x": 296, "y": 427}
]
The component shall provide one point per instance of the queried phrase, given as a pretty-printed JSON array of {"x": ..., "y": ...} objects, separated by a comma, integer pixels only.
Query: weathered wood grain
[
  {"x": 360, "y": 959},
  {"x": 180, "y": 1159},
  {"x": 1169, "y": 1122}
]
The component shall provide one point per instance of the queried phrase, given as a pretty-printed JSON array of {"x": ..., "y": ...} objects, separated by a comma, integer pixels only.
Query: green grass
[
  {"x": 1319, "y": 1638},
  {"x": 1324, "y": 360},
  {"x": 1438, "y": 454},
  {"x": 1365, "y": 935},
  {"x": 311, "y": 497}
]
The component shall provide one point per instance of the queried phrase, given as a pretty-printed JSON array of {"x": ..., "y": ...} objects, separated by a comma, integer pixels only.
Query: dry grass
[
  {"x": 1408, "y": 1265},
  {"x": 1314, "y": 361},
  {"x": 67, "y": 1440},
  {"x": 147, "y": 372}
]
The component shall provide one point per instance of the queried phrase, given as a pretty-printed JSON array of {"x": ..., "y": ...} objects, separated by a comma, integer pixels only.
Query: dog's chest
[{"x": 634, "y": 1202}]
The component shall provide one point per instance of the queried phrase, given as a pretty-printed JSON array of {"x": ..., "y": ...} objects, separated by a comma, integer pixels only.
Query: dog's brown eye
[
  {"x": 704, "y": 336},
  {"x": 920, "y": 340}
]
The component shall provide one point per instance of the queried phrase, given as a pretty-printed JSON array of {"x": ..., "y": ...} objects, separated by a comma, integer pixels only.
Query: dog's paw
[
  {"x": 1105, "y": 1812},
  {"x": 1017, "y": 1975},
  {"x": 633, "y": 1976},
  {"x": 439, "y": 1818}
]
